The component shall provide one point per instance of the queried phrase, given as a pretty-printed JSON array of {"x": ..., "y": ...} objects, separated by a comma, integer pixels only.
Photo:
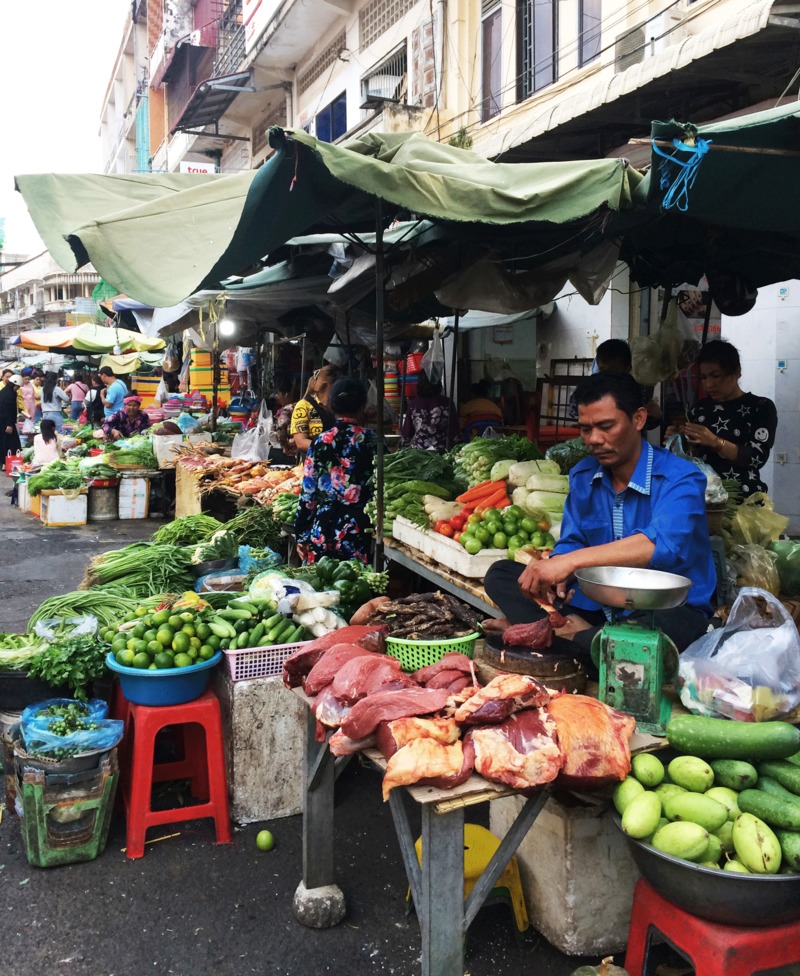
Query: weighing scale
[{"x": 633, "y": 657}]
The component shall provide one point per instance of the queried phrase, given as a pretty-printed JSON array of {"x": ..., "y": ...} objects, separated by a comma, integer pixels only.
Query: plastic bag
[
  {"x": 221, "y": 581},
  {"x": 186, "y": 422},
  {"x": 755, "y": 566},
  {"x": 253, "y": 444},
  {"x": 787, "y": 562},
  {"x": 67, "y": 626},
  {"x": 756, "y": 522},
  {"x": 715, "y": 490},
  {"x": 171, "y": 361},
  {"x": 672, "y": 347},
  {"x": 37, "y": 735},
  {"x": 749, "y": 669},
  {"x": 567, "y": 454},
  {"x": 247, "y": 564},
  {"x": 433, "y": 360}
]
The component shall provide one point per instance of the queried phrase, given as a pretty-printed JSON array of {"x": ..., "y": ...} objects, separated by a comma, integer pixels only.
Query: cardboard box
[{"x": 134, "y": 498}]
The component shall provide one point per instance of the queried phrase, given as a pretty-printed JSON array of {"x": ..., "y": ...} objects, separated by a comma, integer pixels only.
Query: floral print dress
[{"x": 337, "y": 485}]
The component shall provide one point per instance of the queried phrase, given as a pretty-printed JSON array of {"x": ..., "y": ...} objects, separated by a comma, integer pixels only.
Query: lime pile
[{"x": 164, "y": 639}]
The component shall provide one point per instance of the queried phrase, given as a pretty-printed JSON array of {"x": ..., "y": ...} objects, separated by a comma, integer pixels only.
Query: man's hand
[{"x": 544, "y": 579}]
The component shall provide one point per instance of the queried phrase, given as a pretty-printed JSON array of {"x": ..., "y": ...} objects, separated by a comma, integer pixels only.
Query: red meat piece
[
  {"x": 341, "y": 745},
  {"x": 445, "y": 678},
  {"x": 454, "y": 661},
  {"x": 595, "y": 741},
  {"x": 428, "y": 762},
  {"x": 326, "y": 668},
  {"x": 503, "y": 695},
  {"x": 363, "y": 675},
  {"x": 521, "y": 752},
  {"x": 298, "y": 665},
  {"x": 383, "y": 706},
  {"x": 391, "y": 736},
  {"x": 536, "y": 635}
]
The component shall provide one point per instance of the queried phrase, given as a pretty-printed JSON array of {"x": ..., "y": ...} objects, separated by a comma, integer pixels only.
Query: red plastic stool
[
  {"x": 203, "y": 764},
  {"x": 713, "y": 949}
]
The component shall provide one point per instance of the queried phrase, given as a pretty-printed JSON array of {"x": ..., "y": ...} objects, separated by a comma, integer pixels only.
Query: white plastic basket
[{"x": 259, "y": 662}]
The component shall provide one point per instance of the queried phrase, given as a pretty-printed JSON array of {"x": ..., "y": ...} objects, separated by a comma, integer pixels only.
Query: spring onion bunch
[
  {"x": 144, "y": 568},
  {"x": 187, "y": 530},
  {"x": 106, "y": 607}
]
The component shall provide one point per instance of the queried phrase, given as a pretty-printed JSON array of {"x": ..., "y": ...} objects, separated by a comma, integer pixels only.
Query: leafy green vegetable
[
  {"x": 256, "y": 526},
  {"x": 72, "y": 661},
  {"x": 187, "y": 530},
  {"x": 56, "y": 476},
  {"x": 142, "y": 569}
]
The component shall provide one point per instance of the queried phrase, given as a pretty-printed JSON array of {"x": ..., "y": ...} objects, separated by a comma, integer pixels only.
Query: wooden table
[
  {"x": 470, "y": 590},
  {"x": 437, "y": 884}
]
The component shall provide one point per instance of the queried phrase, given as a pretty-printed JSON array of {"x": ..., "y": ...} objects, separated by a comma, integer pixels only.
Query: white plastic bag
[
  {"x": 253, "y": 444},
  {"x": 433, "y": 360},
  {"x": 67, "y": 626},
  {"x": 716, "y": 493},
  {"x": 749, "y": 669}
]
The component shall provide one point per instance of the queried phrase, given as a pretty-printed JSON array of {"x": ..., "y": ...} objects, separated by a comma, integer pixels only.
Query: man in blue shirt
[
  {"x": 113, "y": 396},
  {"x": 629, "y": 504}
]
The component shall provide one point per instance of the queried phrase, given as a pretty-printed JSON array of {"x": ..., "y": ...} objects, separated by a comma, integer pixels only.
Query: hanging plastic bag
[
  {"x": 171, "y": 360},
  {"x": 755, "y": 566},
  {"x": 749, "y": 669},
  {"x": 433, "y": 360},
  {"x": 715, "y": 490},
  {"x": 672, "y": 347},
  {"x": 755, "y": 522},
  {"x": 253, "y": 444},
  {"x": 787, "y": 562}
]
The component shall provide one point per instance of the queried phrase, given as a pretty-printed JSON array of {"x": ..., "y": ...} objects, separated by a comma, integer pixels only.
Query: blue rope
[{"x": 677, "y": 188}]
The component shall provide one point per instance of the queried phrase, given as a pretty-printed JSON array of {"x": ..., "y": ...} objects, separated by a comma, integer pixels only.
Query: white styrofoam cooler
[
  {"x": 57, "y": 509},
  {"x": 164, "y": 449},
  {"x": 445, "y": 551},
  {"x": 134, "y": 497}
]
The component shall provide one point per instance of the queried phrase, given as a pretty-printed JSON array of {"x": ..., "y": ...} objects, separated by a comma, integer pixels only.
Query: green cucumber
[
  {"x": 794, "y": 760},
  {"x": 283, "y": 633},
  {"x": 790, "y": 848},
  {"x": 786, "y": 773},
  {"x": 774, "y": 788},
  {"x": 773, "y": 810},
  {"x": 243, "y": 605},
  {"x": 230, "y": 613},
  {"x": 256, "y": 634},
  {"x": 274, "y": 620},
  {"x": 721, "y": 738},
  {"x": 734, "y": 773},
  {"x": 243, "y": 640}
]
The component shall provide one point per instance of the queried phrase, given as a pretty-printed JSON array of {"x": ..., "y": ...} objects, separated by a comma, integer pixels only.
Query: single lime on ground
[{"x": 264, "y": 840}]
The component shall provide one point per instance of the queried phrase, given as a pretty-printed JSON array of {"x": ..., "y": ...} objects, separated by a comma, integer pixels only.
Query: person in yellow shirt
[
  {"x": 311, "y": 415},
  {"x": 480, "y": 407}
]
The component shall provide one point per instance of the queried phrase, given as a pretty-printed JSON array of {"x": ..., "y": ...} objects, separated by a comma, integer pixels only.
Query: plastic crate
[
  {"x": 413, "y": 655},
  {"x": 259, "y": 662}
]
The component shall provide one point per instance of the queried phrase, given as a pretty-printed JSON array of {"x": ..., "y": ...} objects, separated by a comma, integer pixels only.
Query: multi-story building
[{"x": 39, "y": 294}]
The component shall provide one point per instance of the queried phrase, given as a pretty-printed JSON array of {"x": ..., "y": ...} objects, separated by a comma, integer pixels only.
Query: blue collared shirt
[{"x": 664, "y": 500}]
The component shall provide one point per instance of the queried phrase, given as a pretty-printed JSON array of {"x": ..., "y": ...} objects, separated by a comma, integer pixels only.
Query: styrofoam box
[
  {"x": 60, "y": 510},
  {"x": 445, "y": 551},
  {"x": 164, "y": 449},
  {"x": 23, "y": 496},
  {"x": 134, "y": 498}
]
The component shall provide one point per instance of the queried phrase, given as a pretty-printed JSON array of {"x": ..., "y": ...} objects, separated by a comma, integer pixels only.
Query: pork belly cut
[
  {"x": 595, "y": 740},
  {"x": 521, "y": 752},
  {"x": 383, "y": 706},
  {"x": 391, "y": 736},
  {"x": 298, "y": 665},
  {"x": 505, "y": 694},
  {"x": 429, "y": 762}
]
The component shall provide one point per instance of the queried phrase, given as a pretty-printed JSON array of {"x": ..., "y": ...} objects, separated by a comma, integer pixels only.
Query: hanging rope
[{"x": 677, "y": 187}]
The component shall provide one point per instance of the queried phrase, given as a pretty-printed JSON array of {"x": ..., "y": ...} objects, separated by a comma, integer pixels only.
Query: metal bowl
[
  {"x": 719, "y": 896},
  {"x": 211, "y": 566},
  {"x": 633, "y": 589}
]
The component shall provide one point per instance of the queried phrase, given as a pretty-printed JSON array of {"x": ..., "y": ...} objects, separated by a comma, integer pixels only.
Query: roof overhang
[
  {"x": 742, "y": 61},
  {"x": 211, "y": 100}
]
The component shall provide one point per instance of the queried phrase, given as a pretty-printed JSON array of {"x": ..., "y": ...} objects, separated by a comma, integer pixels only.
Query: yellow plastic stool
[{"x": 480, "y": 845}]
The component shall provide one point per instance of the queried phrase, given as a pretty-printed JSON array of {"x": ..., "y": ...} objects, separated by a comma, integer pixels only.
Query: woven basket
[{"x": 413, "y": 655}]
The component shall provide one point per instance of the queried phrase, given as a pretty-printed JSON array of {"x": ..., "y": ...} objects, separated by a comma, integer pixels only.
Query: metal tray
[
  {"x": 633, "y": 589},
  {"x": 748, "y": 900}
]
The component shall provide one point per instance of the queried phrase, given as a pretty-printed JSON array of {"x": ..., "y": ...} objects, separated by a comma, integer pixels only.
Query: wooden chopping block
[{"x": 554, "y": 671}]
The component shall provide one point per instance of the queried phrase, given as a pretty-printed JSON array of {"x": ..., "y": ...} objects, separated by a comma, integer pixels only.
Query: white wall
[{"x": 771, "y": 332}]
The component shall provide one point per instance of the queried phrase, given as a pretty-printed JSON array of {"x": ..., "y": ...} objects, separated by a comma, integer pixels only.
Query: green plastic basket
[{"x": 413, "y": 655}]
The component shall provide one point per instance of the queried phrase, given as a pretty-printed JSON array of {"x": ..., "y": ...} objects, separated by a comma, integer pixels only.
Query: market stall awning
[
  {"x": 89, "y": 338},
  {"x": 174, "y": 239},
  {"x": 739, "y": 215}
]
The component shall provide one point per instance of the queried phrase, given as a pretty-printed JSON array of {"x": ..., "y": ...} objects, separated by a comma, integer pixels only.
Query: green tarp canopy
[
  {"x": 742, "y": 211},
  {"x": 160, "y": 237}
]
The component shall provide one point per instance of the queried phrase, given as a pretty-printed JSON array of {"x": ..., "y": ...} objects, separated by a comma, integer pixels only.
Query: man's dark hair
[
  {"x": 622, "y": 387},
  {"x": 616, "y": 354},
  {"x": 348, "y": 397},
  {"x": 723, "y": 354},
  {"x": 107, "y": 371},
  {"x": 482, "y": 388}
]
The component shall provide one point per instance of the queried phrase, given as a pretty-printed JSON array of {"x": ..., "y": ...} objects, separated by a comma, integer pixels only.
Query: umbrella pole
[
  {"x": 215, "y": 378},
  {"x": 378, "y": 553},
  {"x": 453, "y": 362}
]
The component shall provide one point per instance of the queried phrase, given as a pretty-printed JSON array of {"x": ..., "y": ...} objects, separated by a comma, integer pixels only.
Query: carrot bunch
[{"x": 488, "y": 494}]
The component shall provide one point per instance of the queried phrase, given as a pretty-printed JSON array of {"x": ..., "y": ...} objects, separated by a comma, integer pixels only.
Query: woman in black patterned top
[{"x": 734, "y": 430}]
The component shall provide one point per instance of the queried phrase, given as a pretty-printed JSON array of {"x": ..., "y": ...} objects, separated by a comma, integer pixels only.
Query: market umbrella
[
  {"x": 89, "y": 338},
  {"x": 308, "y": 186},
  {"x": 722, "y": 200}
]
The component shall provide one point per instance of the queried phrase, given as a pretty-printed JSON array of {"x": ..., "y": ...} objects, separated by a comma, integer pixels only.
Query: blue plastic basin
[{"x": 163, "y": 686}]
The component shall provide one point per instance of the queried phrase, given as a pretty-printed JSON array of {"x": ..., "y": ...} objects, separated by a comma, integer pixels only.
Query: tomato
[
  {"x": 446, "y": 529},
  {"x": 482, "y": 534},
  {"x": 515, "y": 542},
  {"x": 457, "y": 536},
  {"x": 474, "y": 517},
  {"x": 458, "y": 522},
  {"x": 438, "y": 525},
  {"x": 491, "y": 514},
  {"x": 499, "y": 540},
  {"x": 511, "y": 552},
  {"x": 473, "y": 546},
  {"x": 525, "y": 536},
  {"x": 543, "y": 524},
  {"x": 510, "y": 526},
  {"x": 513, "y": 511}
]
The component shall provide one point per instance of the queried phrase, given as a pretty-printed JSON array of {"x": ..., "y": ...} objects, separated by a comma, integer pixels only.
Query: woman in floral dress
[{"x": 337, "y": 482}]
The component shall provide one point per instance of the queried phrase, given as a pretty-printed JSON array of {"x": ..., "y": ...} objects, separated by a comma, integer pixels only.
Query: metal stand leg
[{"x": 318, "y": 902}]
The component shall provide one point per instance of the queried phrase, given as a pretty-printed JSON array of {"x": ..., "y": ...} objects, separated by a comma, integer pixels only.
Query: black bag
[{"x": 325, "y": 415}]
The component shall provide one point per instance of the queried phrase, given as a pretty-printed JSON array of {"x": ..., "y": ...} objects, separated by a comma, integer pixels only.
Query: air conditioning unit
[{"x": 664, "y": 31}]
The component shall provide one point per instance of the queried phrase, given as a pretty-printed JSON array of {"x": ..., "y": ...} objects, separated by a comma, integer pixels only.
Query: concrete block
[
  {"x": 577, "y": 874},
  {"x": 264, "y": 725}
]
